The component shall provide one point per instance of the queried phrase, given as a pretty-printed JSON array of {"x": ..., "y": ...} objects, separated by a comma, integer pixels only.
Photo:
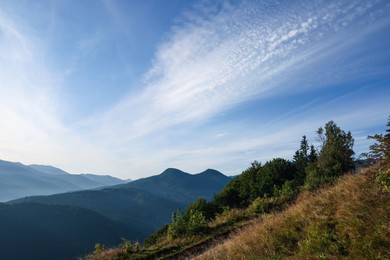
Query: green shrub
[
  {"x": 265, "y": 205},
  {"x": 197, "y": 222},
  {"x": 126, "y": 245},
  {"x": 383, "y": 178},
  {"x": 178, "y": 226},
  {"x": 98, "y": 248},
  {"x": 316, "y": 179}
]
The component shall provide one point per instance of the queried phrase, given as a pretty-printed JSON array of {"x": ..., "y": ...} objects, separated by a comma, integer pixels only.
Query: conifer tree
[{"x": 380, "y": 150}]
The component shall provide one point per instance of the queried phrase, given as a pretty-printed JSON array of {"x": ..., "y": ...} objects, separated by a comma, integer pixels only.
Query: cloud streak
[
  {"x": 243, "y": 53},
  {"x": 216, "y": 62}
]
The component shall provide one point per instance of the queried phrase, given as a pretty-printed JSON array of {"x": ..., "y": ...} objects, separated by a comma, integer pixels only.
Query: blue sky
[{"x": 129, "y": 88}]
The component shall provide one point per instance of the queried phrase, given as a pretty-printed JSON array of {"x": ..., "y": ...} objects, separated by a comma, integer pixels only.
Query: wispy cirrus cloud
[
  {"x": 214, "y": 61},
  {"x": 243, "y": 52}
]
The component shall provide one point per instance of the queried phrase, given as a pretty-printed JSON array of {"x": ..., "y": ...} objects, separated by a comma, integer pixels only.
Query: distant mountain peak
[
  {"x": 182, "y": 187},
  {"x": 173, "y": 171},
  {"x": 211, "y": 172}
]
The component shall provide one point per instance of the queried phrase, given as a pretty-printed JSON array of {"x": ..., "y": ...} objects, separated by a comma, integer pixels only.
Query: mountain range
[
  {"x": 18, "y": 180},
  {"x": 182, "y": 187},
  {"x": 132, "y": 210}
]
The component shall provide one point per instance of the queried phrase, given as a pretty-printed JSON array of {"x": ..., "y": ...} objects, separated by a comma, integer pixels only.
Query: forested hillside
[{"x": 327, "y": 218}]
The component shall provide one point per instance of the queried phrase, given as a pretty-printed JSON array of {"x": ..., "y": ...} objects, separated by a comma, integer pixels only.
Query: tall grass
[{"x": 348, "y": 220}]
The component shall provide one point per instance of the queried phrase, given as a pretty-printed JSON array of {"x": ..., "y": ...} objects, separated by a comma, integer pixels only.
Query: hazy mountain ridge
[
  {"x": 139, "y": 211},
  {"x": 18, "y": 180}
]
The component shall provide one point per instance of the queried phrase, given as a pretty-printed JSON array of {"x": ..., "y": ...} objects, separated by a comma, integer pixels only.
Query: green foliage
[
  {"x": 98, "y": 248},
  {"x": 316, "y": 179},
  {"x": 290, "y": 188},
  {"x": 191, "y": 223},
  {"x": 137, "y": 246},
  {"x": 196, "y": 222},
  {"x": 256, "y": 181},
  {"x": 208, "y": 209},
  {"x": 303, "y": 157},
  {"x": 265, "y": 205},
  {"x": 383, "y": 178},
  {"x": 335, "y": 157},
  {"x": 274, "y": 174},
  {"x": 380, "y": 150},
  {"x": 126, "y": 245},
  {"x": 178, "y": 226}
]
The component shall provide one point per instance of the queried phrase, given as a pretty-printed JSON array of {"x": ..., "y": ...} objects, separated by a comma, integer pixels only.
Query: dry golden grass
[{"x": 348, "y": 220}]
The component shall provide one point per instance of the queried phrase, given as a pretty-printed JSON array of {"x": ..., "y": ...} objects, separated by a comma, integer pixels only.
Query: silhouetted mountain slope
[
  {"x": 145, "y": 206},
  {"x": 142, "y": 208},
  {"x": 18, "y": 180},
  {"x": 141, "y": 212},
  {"x": 182, "y": 187},
  {"x": 38, "y": 231}
]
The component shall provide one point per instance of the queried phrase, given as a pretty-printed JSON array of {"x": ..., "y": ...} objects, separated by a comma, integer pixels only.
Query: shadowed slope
[
  {"x": 182, "y": 187},
  {"x": 38, "y": 231}
]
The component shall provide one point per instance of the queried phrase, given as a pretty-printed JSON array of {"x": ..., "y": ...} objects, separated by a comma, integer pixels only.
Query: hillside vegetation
[
  {"x": 327, "y": 218},
  {"x": 350, "y": 219}
]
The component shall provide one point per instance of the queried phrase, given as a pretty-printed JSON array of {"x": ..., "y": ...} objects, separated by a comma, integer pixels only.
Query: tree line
[{"x": 263, "y": 188}]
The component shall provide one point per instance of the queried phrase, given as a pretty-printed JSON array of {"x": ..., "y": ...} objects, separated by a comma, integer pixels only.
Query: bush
[
  {"x": 383, "y": 178},
  {"x": 98, "y": 248},
  {"x": 265, "y": 205},
  {"x": 126, "y": 245},
  {"x": 178, "y": 226},
  {"x": 196, "y": 223},
  {"x": 316, "y": 179}
]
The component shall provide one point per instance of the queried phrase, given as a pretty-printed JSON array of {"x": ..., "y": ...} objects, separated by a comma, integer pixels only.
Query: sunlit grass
[{"x": 350, "y": 219}]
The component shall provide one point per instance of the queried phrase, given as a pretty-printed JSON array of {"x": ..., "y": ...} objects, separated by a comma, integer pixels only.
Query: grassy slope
[
  {"x": 348, "y": 220},
  {"x": 351, "y": 220}
]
